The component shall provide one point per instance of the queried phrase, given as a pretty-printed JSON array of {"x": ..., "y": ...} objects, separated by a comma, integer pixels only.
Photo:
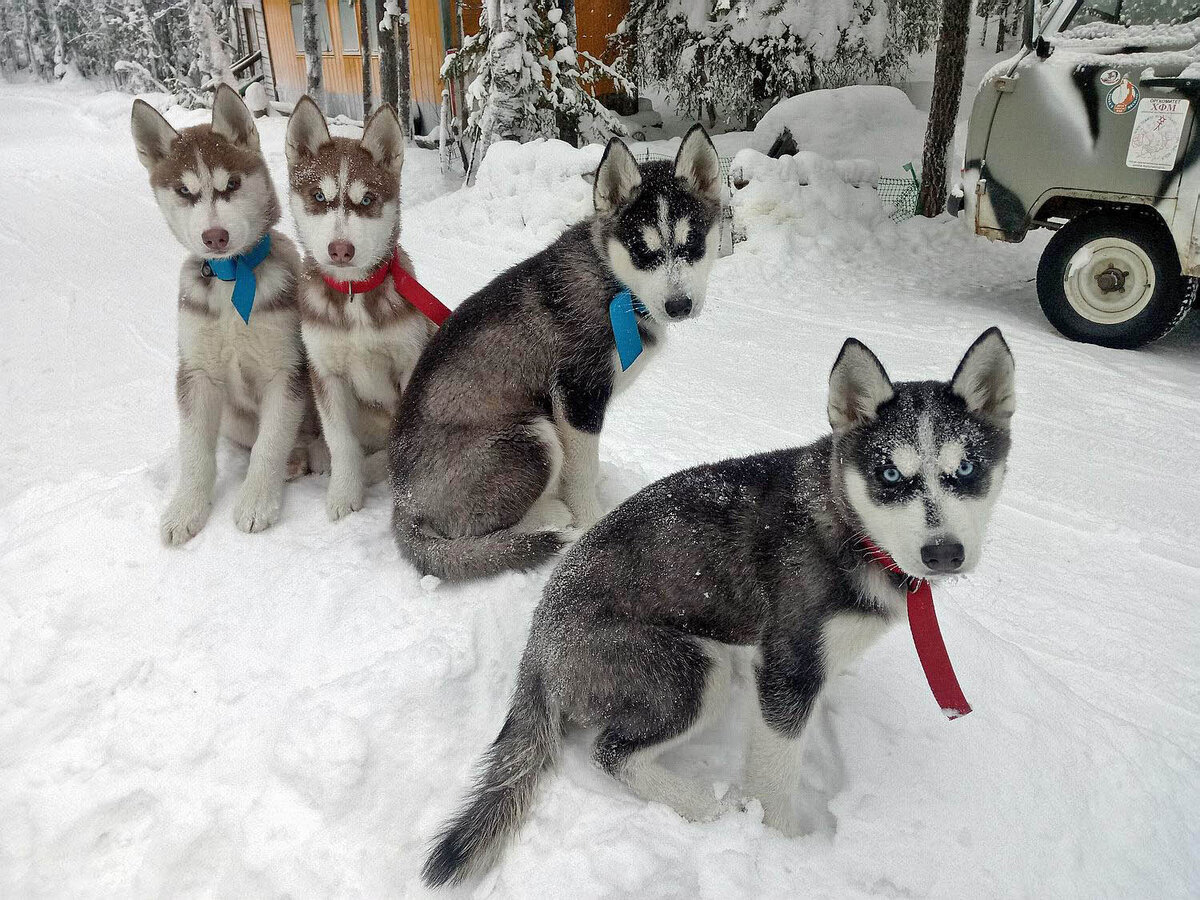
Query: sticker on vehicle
[
  {"x": 1122, "y": 98},
  {"x": 1110, "y": 77},
  {"x": 1157, "y": 129}
]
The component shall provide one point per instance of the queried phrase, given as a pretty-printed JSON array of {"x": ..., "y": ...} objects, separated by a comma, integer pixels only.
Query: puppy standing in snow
[
  {"x": 241, "y": 362},
  {"x": 500, "y": 425},
  {"x": 780, "y": 552},
  {"x": 362, "y": 337}
]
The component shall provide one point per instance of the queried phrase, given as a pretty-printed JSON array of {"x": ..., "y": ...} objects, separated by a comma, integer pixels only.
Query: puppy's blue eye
[
  {"x": 367, "y": 199},
  {"x": 319, "y": 196},
  {"x": 182, "y": 191},
  {"x": 891, "y": 475},
  {"x": 965, "y": 468}
]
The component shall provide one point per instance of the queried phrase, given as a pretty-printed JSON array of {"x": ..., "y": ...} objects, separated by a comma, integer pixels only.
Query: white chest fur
[
  {"x": 622, "y": 379},
  {"x": 847, "y": 635},
  {"x": 242, "y": 356},
  {"x": 375, "y": 360}
]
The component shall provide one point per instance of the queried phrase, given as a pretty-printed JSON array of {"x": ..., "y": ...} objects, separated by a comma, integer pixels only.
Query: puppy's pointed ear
[
  {"x": 617, "y": 179},
  {"x": 857, "y": 386},
  {"x": 383, "y": 138},
  {"x": 985, "y": 378},
  {"x": 233, "y": 120},
  {"x": 697, "y": 164},
  {"x": 306, "y": 131},
  {"x": 152, "y": 134}
]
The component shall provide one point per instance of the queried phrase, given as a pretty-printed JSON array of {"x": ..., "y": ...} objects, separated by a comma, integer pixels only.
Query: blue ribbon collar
[
  {"x": 240, "y": 270},
  {"x": 622, "y": 313}
]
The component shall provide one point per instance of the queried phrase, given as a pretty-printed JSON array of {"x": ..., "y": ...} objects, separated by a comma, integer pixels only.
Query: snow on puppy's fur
[
  {"x": 496, "y": 446},
  {"x": 345, "y": 197},
  {"x": 245, "y": 379},
  {"x": 633, "y": 633}
]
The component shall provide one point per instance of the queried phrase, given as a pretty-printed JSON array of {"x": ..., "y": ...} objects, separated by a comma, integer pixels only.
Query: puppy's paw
[
  {"x": 345, "y": 496},
  {"x": 257, "y": 507},
  {"x": 318, "y": 457},
  {"x": 585, "y": 511},
  {"x": 183, "y": 518},
  {"x": 778, "y": 814}
]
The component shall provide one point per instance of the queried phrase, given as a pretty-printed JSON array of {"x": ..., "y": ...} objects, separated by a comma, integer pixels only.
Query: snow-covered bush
[
  {"x": 731, "y": 59},
  {"x": 527, "y": 79}
]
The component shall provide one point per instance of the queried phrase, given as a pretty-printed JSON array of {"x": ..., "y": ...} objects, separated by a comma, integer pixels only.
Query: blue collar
[
  {"x": 240, "y": 270},
  {"x": 622, "y": 313}
]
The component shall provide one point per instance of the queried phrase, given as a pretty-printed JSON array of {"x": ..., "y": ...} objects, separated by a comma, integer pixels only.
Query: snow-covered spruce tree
[
  {"x": 210, "y": 26},
  {"x": 527, "y": 78},
  {"x": 733, "y": 59}
]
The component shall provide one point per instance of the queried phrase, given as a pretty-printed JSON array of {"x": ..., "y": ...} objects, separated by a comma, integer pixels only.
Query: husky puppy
[
  {"x": 362, "y": 340},
  {"x": 241, "y": 367},
  {"x": 500, "y": 425},
  {"x": 632, "y": 635}
]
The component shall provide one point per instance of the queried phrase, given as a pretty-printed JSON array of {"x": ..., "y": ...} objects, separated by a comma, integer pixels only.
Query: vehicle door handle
[{"x": 1189, "y": 87}]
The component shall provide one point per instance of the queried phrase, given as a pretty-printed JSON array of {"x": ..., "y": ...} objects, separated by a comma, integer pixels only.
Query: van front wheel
[{"x": 1113, "y": 280}]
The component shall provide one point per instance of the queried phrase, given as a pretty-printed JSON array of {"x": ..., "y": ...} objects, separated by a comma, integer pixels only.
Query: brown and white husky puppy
[
  {"x": 241, "y": 368},
  {"x": 362, "y": 337}
]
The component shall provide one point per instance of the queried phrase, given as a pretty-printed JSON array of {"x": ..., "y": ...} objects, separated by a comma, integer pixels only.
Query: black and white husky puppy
[
  {"x": 494, "y": 452},
  {"x": 634, "y": 631},
  {"x": 241, "y": 362}
]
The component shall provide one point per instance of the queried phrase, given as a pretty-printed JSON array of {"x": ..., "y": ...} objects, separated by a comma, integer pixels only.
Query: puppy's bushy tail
[
  {"x": 460, "y": 558},
  {"x": 526, "y": 748}
]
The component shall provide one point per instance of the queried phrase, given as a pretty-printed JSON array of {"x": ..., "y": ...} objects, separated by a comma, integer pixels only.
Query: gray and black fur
[
  {"x": 493, "y": 451},
  {"x": 632, "y": 631}
]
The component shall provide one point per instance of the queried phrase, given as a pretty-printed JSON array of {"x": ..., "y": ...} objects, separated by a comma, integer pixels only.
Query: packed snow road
[{"x": 292, "y": 713}]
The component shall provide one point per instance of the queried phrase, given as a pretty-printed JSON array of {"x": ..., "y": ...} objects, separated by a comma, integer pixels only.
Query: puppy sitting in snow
[
  {"x": 241, "y": 362},
  {"x": 495, "y": 448},
  {"x": 362, "y": 336},
  {"x": 780, "y": 552}
]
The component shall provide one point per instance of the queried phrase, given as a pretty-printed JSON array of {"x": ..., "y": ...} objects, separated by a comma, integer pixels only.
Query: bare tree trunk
[
  {"x": 403, "y": 72},
  {"x": 314, "y": 83},
  {"x": 1002, "y": 31},
  {"x": 364, "y": 46},
  {"x": 387, "y": 55},
  {"x": 983, "y": 37},
  {"x": 943, "y": 106}
]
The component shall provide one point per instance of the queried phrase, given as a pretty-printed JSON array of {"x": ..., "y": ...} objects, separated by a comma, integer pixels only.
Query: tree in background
[
  {"x": 943, "y": 105},
  {"x": 395, "y": 79},
  {"x": 314, "y": 80},
  {"x": 528, "y": 78},
  {"x": 364, "y": 43},
  {"x": 734, "y": 59},
  {"x": 179, "y": 47}
]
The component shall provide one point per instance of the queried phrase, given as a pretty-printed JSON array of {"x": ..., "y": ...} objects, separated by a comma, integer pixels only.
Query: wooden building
[{"x": 434, "y": 27}]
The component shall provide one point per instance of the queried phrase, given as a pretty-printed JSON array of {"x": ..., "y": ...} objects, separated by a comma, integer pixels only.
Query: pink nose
[
  {"x": 215, "y": 238},
  {"x": 341, "y": 251}
]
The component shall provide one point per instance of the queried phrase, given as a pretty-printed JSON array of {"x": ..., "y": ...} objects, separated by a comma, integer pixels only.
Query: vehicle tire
[{"x": 1113, "y": 279}]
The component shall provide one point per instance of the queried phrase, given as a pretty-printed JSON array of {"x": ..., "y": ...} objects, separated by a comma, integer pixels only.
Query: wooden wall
[{"x": 342, "y": 70}]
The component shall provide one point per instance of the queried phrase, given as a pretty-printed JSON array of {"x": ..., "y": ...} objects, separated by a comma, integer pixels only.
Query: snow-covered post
[
  {"x": 364, "y": 46},
  {"x": 403, "y": 71},
  {"x": 314, "y": 81},
  {"x": 388, "y": 84},
  {"x": 943, "y": 105}
]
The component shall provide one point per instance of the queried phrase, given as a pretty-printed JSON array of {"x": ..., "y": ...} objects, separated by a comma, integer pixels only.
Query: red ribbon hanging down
[
  {"x": 927, "y": 638},
  {"x": 406, "y": 286}
]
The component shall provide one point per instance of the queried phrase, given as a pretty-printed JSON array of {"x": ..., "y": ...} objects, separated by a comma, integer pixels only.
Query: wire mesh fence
[{"x": 901, "y": 193}]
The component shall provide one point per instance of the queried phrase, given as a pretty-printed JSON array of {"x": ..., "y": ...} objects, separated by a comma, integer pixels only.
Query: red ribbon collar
[
  {"x": 927, "y": 636},
  {"x": 406, "y": 286}
]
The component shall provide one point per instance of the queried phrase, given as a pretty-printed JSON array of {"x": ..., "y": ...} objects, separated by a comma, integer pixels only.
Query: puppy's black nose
[
  {"x": 678, "y": 307},
  {"x": 943, "y": 557}
]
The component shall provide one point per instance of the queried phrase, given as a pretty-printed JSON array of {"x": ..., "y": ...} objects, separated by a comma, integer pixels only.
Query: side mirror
[{"x": 1042, "y": 47}]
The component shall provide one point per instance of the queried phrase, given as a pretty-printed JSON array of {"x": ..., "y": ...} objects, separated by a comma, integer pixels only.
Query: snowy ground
[{"x": 291, "y": 714}]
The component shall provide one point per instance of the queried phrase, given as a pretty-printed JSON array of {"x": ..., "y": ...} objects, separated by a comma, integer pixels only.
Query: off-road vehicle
[{"x": 1089, "y": 130}]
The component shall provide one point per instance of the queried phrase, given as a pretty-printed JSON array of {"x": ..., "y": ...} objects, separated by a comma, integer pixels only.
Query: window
[
  {"x": 1135, "y": 12},
  {"x": 349, "y": 24},
  {"x": 322, "y": 27}
]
